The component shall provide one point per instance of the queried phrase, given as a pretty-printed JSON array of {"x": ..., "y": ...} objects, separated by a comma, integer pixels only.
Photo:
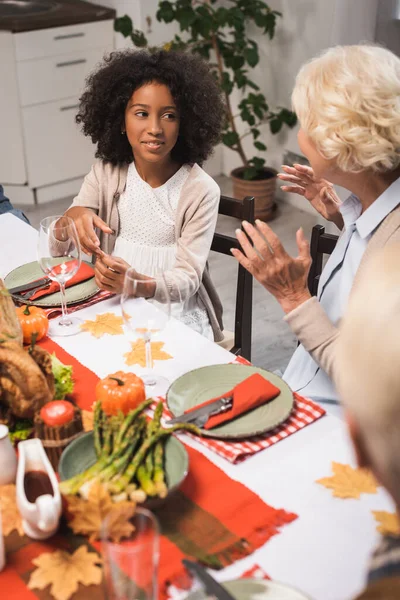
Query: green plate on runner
[
  {"x": 200, "y": 385},
  {"x": 80, "y": 455},
  {"x": 255, "y": 589},
  {"x": 31, "y": 271}
]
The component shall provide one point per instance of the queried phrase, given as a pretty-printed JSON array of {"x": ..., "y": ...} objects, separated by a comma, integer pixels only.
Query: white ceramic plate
[{"x": 255, "y": 589}]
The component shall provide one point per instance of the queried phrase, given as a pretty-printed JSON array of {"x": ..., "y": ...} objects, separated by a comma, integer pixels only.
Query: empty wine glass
[
  {"x": 145, "y": 319},
  {"x": 131, "y": 565},
  {"x": 59, "y": 256}
]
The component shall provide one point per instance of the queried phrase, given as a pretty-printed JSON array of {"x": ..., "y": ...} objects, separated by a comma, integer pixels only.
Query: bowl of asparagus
[{"x": 133, "y": 456}]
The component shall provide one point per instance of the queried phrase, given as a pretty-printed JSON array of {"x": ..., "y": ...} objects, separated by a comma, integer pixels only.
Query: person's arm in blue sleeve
[{"x": 6, "y": 206}]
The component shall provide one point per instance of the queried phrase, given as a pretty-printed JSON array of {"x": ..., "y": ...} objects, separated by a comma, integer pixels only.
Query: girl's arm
[{"x": 193, "y": 246}]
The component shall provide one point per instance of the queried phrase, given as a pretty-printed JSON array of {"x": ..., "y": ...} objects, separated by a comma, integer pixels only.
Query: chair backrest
[
  {"x": 243, "y": 210},
  {"x": 321, "y": 243}
]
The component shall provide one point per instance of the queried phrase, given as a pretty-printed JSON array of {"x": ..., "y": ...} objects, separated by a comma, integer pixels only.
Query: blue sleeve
[{"x": 6, "y": 206}]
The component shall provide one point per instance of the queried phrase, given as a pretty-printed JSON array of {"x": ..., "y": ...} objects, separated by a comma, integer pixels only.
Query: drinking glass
[
  {"x": 131, "y": 565},
  {"x": 59, "y": 256},
  {"x": 146, "y": 319}
]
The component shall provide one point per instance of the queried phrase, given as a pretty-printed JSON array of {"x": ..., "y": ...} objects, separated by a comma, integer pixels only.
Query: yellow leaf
[
  {"x": 10, "y": 516},
  {"x": 105, "y": 323},
  {"x": 88, "y": 515},
  {"x": 388, "y": 523},
  {"x": 137, "y": 354},
  {"x": 64, "y": 572},
  {"x": 348, "y": 482}
]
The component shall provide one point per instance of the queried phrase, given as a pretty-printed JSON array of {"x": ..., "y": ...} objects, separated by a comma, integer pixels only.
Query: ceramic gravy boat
[{"x": 38, "y": 495}]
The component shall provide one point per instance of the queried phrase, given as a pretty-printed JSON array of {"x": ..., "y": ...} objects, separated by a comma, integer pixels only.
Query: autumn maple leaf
[
  {"x": 88, "y": 515},
  {"x": 10, "y": 515},
  {"x": 388, "y": 523},
  {"x": 105, "y": 323},
  {"x": 64, "y": 572},
  {"x": 348, "y": 482},
  {"x": 137, "y": 353}
]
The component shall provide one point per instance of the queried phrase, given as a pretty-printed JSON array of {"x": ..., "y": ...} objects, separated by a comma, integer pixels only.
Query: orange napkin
[
  {"x": 247, "y": 395},
  {"x": 84, "y": 273}
]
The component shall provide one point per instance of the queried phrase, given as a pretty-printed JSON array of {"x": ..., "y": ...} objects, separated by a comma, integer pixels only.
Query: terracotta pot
[{"x": 262, "y": 189}]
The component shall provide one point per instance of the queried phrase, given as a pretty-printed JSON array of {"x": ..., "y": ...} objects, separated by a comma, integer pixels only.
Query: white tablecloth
[{"x": 325, "y": 551}]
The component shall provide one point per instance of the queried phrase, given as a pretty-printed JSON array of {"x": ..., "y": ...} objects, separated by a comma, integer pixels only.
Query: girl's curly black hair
[{"x": 192, "y": 85}]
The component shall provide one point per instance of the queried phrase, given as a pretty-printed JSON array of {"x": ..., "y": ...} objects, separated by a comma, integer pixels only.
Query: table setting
[{"x": 174, "y": 468}]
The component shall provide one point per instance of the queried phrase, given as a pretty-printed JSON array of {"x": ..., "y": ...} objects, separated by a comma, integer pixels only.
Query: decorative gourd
[
  {"x": 120, "y": 392},
  {"x": 10, "y": 328},
  {"x": 34, "y": 323}
]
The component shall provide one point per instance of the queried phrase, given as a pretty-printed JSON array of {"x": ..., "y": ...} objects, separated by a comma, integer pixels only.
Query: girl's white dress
[{"x": 146, "y": 237}]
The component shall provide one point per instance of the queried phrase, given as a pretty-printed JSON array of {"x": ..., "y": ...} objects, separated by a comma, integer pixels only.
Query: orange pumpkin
[
  {"x": 34, "y": 323},
  {"x": 120, "y": 392}
]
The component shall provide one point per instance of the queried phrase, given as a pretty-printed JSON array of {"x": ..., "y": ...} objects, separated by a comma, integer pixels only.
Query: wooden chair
[
  {"x": 321, "y": 243},
  {"x": 239, "y": 341}
]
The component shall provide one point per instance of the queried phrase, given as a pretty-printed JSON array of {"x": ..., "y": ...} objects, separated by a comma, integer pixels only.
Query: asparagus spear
[
  {"x": 158, "y": 476},
  {"x": 130, "y": 472},
  {"x": 97, "y": 422},
  {"x": 130, "y": 418},
  {"x": 144, "y": 475}
]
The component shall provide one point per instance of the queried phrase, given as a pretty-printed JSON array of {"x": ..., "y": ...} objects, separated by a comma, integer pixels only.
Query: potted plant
[{"x": 220, "y": 33}]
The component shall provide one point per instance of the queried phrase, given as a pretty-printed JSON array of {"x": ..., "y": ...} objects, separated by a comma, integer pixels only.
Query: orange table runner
[{"x": 212, "y": 519}]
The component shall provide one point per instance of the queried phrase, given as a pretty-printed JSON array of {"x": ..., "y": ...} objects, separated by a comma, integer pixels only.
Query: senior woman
[{"x": 348, "y": 104}]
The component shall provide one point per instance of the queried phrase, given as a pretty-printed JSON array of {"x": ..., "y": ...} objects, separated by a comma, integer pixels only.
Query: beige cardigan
[
  {"x": 310, "y": 323},
  {"x": 195, "y": 223}
]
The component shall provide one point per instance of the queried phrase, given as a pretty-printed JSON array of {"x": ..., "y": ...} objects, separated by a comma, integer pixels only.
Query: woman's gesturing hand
[
  {"x": 283, "y": 276},
  {"x": 319, "y": 192},
  {"x": 85, "y": 221}
]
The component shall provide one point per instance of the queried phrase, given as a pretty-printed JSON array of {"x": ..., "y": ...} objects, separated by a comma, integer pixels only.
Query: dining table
[{"x": 324, "y": 552}]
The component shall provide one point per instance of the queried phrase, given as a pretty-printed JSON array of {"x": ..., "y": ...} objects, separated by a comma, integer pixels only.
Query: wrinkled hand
[
  {"x": 283, "y": 276},
  {"x": 85, "y": 221},
  {"x": 319, "y": 192},
  {"x": 109, "y": 272}
]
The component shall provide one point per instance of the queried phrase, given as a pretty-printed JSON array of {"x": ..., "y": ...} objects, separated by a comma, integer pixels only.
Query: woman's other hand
[
  {"x": 283, "y": 276},
  {"x": 319, "y": 192},
  {"x": 109, "y": 272},
  {"x": 85, "y": 221}
]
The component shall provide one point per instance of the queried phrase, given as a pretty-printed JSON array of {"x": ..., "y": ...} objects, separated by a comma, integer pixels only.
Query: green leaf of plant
[
  {"x": 230, "y": 138},
  {"x": 165, "y": 12},
  {"x": 185, "y": 17},
  {"x": 246, "y": 116},
  {"x": 226, "y": 84},
  {"x": 256, "y": 133},
  {"x": 260, "y": 146},
  {"x": 288, "y": 117},
  {"x": 257, "y": 162},
  {"x": 275, "y": 125},
  {"x": 139, "y": 39},
  {"x": 251, "y": 56},
  {"x": 250, "y": 173},
  {"x": 124, "y": 25}
]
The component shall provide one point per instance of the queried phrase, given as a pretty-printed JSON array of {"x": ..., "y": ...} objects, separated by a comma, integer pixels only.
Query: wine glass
[
  {"x": 146, "y": 318},
  {"x": 59, "y": 256},
  {"x": 131, "y": 565}
]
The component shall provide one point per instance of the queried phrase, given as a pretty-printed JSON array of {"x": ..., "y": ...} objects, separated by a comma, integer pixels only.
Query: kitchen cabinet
[{"x": 43, "y": 73}]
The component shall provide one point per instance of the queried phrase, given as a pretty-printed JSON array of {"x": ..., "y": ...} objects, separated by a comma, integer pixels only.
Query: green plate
[
  {"x": 205, "y": 383},
  {"x": 31, "y": 271},
  {"x": 80, "y": 455},
  {"x": 255, "y": 589}
]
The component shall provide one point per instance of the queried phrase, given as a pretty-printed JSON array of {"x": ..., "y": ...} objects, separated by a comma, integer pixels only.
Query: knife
[
  {"x": 29, "y": 286},
  {"x": 200, "y": 416},
  {"x": 211, "y": 586}
]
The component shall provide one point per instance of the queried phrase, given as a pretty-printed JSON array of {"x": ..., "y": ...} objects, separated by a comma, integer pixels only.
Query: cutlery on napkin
[
  {"x": 245, "y": 396},
  {"x": 84, "y": 273},
  {"x": 209, "y": 584}
]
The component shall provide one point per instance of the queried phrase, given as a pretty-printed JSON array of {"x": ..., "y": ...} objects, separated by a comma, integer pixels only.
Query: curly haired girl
[{"x": 155, "y": 119}]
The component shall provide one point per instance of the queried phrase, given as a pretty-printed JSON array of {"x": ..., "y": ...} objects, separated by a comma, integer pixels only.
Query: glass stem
[
  {"x": 64, "y": 318},
  {"x": 149, "y": 357}
]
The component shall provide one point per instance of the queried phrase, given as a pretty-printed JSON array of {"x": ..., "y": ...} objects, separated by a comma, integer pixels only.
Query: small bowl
[{"x": 80, "y": 455}]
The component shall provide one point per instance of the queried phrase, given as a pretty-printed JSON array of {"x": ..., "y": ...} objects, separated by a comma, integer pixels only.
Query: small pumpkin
[
  {"x": 120, "y": 392},
  {"x": 34, "y": 323}
]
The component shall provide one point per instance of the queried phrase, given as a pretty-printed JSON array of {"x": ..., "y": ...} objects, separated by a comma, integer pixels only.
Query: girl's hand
[
  {"x": 319, "y": 192},
  {"x": 283, "y": 276},
  {"x": 109, "y": 272},
  {"x": 85, "y": 221}
]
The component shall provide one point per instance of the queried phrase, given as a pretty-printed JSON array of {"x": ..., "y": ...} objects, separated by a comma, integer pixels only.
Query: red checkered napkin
[
  {"x": 304, "y": 413},
  {"x": 55, "y": 311}
]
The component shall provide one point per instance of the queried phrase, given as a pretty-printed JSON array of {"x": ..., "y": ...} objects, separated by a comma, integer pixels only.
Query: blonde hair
[
  {"x": 348, "y": 102},
  {"x": 368, "y": 374}
]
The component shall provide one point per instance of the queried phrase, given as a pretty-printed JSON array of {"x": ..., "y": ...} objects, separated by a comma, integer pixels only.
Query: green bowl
[{"x": 80, "y": 455}]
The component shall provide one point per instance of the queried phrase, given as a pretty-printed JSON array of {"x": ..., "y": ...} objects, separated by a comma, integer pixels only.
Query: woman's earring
[{"x": 123, "y": 132}]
